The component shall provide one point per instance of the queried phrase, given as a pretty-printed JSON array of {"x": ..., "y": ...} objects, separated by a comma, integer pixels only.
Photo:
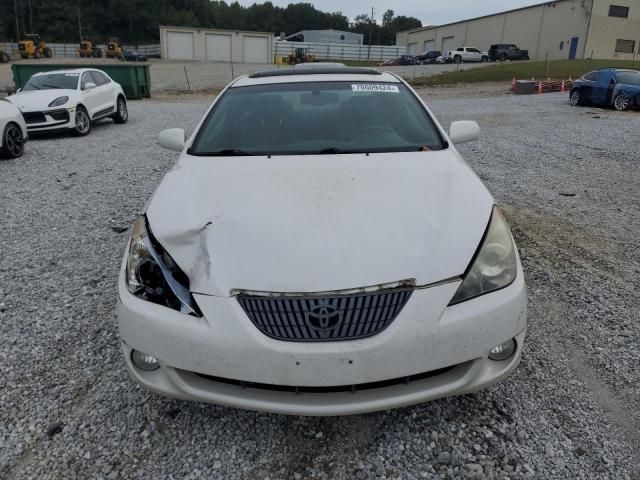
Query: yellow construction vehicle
[
  {"x": 114, "y": 49},
  {"x": 4, "y": 57},
  {"x": 301, "y": 55},
  {"x": 33, "y": 46},
  {"x": 88, "y": 49}
]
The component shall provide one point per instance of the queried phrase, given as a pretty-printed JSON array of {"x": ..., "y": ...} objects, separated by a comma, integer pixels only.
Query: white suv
[
  {"x": 70, "y": 100},
  {"x": 468, "y": 54}
]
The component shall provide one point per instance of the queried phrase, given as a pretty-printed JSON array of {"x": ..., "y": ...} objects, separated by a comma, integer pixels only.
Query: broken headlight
[
  {"x": 494, "y": 266},
  {"x": 153, "y": 275}
]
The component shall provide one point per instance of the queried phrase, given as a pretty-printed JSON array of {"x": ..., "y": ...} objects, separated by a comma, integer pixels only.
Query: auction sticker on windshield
[{"x": 370, "y": 87}]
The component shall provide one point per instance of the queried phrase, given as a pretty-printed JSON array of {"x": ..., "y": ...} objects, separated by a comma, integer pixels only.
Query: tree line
[{"x": 137, "y": 21}]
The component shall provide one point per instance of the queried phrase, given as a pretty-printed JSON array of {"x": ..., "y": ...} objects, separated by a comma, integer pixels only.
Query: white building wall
[
  {"x": 542, "y": 29},
  {"x": 180, "y": 43},
  {"x": 606, "y": 30}
]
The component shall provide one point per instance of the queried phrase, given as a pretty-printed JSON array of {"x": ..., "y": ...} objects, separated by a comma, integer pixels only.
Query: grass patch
[{"x": 504, "y": 72}]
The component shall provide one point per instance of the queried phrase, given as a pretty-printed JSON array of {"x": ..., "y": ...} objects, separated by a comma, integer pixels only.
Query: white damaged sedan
[{"x": 320, "y": 248}]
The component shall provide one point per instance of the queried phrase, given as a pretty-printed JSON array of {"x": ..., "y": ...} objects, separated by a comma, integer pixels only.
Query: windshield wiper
[
  {"x": 336, "y": 151},
  {"x": 227, "y": 152},
  {"x": 51, "y": 86}
]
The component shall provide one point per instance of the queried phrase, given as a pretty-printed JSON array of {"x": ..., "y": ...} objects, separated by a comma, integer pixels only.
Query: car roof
[
  {"x": 69, "y": 70},
  {"x": 300, "y": 75}
]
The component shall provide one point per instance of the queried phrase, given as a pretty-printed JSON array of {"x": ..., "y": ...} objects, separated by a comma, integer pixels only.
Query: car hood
[
  {"x": 318, "y": 223},
  {"x": 38, "y": 99}
]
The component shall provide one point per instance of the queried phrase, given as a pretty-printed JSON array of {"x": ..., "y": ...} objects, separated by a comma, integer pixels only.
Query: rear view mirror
[
  {"x": 319, "y": 99},
  {"x": 89, "y": 85},
  {"x": 463, "y": 131},
  {"x": 172, "y": 139}
]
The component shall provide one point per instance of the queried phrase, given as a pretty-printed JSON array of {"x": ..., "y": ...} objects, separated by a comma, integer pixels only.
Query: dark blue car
[{"x": 619, "y": 88}]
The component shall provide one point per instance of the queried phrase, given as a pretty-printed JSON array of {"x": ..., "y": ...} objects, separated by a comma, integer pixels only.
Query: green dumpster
[{"x": 134, "y": 77}]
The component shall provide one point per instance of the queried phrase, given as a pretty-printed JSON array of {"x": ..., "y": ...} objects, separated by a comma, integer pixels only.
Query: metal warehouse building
[
  {"x": 327, "y": 36},
  {"x": 560, "y": 29},
  {"x": 178, "y": 43}
]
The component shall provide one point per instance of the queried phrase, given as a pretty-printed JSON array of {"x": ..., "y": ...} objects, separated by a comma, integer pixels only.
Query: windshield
[
  {"x": 629, "y": 77},
  {"x": 52, "y": 80},
  {"x": 316, "y": 118}
]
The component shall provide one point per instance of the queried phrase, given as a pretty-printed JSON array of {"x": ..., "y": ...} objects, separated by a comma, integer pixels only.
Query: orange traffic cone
[
  {"x": 513, "y": 84},
  {"x": 562, "y": 90},
  {"x": 540, "y": 87}
]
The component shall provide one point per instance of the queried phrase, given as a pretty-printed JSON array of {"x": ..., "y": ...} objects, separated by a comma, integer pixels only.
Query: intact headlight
[
  {"x": 495, "y": 264},
  {"x": 152, "y": 274},
  {"x": 59, "y": 101}
]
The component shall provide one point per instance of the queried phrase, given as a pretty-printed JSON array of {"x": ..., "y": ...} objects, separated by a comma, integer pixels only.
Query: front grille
[
  {"x": 34, "y": 117},
  {"x": 331, "y": 389},
  {"x": 322, "y": 318}
]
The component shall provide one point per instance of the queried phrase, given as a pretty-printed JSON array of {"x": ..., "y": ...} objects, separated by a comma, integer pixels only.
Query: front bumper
[
  {"x": 429, "y": 351},
  {"x": 53, "y": 119}
]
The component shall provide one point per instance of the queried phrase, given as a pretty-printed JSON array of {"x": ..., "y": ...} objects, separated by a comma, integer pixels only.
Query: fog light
[
  {"x": 503, "y": 351},
  {"x": 144, "y": 361}
]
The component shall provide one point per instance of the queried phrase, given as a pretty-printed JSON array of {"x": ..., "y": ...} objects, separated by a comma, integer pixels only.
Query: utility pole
[
  {"x": 79, "y": 24},
  {"x": 15, "y": 9},
  {"x": 30, "y": 16},
  {"x": 371, "y": 21}
]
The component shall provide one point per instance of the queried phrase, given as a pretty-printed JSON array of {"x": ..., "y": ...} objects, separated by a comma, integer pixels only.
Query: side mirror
[
  {"x": 89, "y": 85},
  {"x": 463, "y": 131},
  {"x": 19, "y": 90},
  {"x": 172, "y": 139}
]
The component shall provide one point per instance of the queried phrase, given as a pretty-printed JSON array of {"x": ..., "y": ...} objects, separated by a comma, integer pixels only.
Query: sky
[{"x": 430, "y": 12}]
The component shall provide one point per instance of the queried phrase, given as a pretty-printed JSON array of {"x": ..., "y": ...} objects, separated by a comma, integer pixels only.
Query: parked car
[
  {"x": 503, "y": 52},
  {"x": 432, "y": 56},
  {"x": 70, "y": 100},
  {"x": 310, "y": 291},
  {"x": 133, "y": 56},
  {"x": 468, "y": 54},
  {"x": 619, "y": 88},
  {"x": 13, "y": 130},
  {"x": 407, "y": 60}
]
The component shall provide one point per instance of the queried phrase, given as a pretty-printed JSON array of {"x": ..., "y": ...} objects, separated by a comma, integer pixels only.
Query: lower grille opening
[{"x": 330, "y": 389}]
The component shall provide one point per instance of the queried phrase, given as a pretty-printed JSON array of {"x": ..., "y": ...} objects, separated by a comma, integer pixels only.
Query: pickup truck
[
  {"x": 507, "y": 51},
  {"x": 467, "y": 54}
]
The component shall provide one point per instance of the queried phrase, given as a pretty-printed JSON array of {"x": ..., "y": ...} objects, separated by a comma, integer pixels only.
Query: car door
[
  {"x": 603, "y": 87},
  {"x": 473, "y": 55},
  {"x": 90, "y": 93},
  {"x": 105, "y": 91},
  {"x": 588, "y": 84}
]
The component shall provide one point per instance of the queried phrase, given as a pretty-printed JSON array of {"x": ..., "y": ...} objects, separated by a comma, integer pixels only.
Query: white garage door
[
  {"x": 180, "y": 45},
  {"x": 429, "y": 46},
  {"x": 411, "y": 48},
  {"x": 218, "y": 47},
  {"x": 256, "y": 49},
  {"x": 448, "y": 44}
]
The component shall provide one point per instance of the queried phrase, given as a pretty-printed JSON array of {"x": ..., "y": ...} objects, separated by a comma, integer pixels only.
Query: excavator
[
  {"x": 33, "y": 46},
  {"x": 114, "y": 49},
  {"x": 88, "y": 49},
  {"x": 301, "y": 55}
]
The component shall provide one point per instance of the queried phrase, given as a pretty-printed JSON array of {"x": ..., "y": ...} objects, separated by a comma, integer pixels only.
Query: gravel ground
[{"x": 568, "y": 180}]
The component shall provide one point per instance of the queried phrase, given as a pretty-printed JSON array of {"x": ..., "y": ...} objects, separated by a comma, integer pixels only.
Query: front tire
[
  {"x": 575, "y": 98},
  {"x": 4, "y": 57},
  {"x": 83, "y": 123},
  {"x": 484, "y": 59},
  {"x": 12, "y": 142},
  {"x": 122, "y": 112},
  {"x": 622, "y": 103},
  {"x": 457, "y": 59},
  {"x": 48, "y": 52}
]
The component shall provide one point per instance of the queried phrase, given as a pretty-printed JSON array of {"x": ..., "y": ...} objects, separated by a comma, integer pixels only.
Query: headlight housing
[
  {"x": 59, "y": 101},
  {"x": 494, "y": 266},
  {"x": 152, "y": 274}
]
